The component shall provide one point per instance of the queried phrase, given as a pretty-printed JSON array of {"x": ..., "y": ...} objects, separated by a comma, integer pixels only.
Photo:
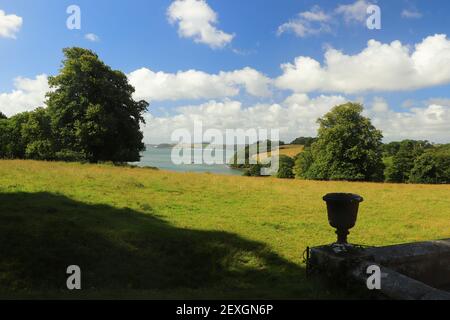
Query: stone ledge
[{"x": 413, "y": 271}]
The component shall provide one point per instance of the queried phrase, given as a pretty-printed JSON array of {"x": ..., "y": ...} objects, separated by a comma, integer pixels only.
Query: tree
[
  {"x": 399, "y": 169},
  {"x": 37, "y": 136},
  {"x": 4, "y": 138},
  {"x": 391, "y": 149},
  {"x": 303, "y": 162},
  {"x": 304, "y": 141},
  {"x": 27, "y": 135},
  {"x": 433, "y": 166},
  {"x": 286, "y": 166},
  {"x": 348, "y": 147},
  {"x": 92, "y": 111},
  {"x": 2, "y": 116},
  {"x": 253, "y": 170},
  {"x": 14, "y": 144}
]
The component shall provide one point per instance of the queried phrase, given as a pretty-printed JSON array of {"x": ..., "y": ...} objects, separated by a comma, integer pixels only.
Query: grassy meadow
[
  {"x": 290, "y": 150},
  {"x": 141, "y": 233}
]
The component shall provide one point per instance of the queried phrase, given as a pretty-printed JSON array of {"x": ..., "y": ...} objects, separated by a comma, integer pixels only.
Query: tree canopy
[
  {"x": 403, "y": 156},
  {"x": 93, "y": 111},
  {"x": 304, "y": 141},
  {"x": 285, "y": 169},
  {"x": 90, "y": 116},
  {"x": 433, "y": 166},
  {"x": 348, "y": 147}
]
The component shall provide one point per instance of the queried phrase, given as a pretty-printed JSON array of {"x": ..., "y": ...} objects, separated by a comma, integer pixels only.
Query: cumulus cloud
[
  {"x": 296, "y": 116},
  {"x": 316, "y": 21},
  {"x": 439, "y": 101},
  {"x": 355, "y": 12},
  {"x": 9, "y": 25},
  {"x": 27, "y": 95},
  {"x": 379, "y": 67},
  {"x": 92, "y": 37},
  {"x": 307, "y": 23},
  {"x": 197, "y": 20},
  {"x": 193, "y": 84},
  {"x": 431, "y": 122}
]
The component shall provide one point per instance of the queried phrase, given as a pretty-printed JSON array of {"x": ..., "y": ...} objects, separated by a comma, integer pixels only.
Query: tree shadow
[{"x": 122, "y": 252}]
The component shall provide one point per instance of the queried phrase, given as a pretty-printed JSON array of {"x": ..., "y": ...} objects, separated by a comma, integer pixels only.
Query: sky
[{"x": 244, "y": 64}]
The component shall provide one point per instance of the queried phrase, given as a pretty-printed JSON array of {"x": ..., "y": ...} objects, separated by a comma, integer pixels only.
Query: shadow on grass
[{"x": 125, "y": 253}]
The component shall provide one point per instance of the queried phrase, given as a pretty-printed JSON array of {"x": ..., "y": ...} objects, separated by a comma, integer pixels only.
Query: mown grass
[{"x": 158, "y": 234}]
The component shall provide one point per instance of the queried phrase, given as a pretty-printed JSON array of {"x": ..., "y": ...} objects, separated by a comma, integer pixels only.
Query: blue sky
[{"x": 258, "y": 35}]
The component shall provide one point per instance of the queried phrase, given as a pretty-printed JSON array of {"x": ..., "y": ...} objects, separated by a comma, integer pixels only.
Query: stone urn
[{"x": 342, "y": 213}]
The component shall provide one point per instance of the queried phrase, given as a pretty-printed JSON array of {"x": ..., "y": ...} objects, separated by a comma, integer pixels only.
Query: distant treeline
[
  {"x": 416, "y": 162},
  {"x": 349, "y": 147},
  {"x": 304, "y": 141}
]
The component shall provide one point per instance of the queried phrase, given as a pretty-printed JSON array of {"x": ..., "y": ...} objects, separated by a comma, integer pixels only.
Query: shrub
[
  {"x": 431, "y": 167},
  {"x": 70, "y": 156},
  {"x": 254, "y": 170},
  {"x": 286, "y": 166}
]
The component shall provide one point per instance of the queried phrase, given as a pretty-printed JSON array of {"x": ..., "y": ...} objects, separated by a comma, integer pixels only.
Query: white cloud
[
  {"x": 295, "y": 117},
  {"x": 27, "y": 95},
  {"x": 193, "y": 84},
  {"x": 317, "y": 21},
  {"x": 379, "y": 67},
  {"x": 411, "y": 14},
  {"x": 307, "y": 23},
  {"x": 380, "y": 105},
  {"x": 255, "y": 83},
  {"x": 197, "y": 20},
  {"x": 92, "y": 37},
  {"x": 355, "y": 12},
  {"x": 430, "y": 123},
  {"x": 9, "y": 25},
  {"x": 439, "y": 101},
  {"x": 315, "y": 14}
]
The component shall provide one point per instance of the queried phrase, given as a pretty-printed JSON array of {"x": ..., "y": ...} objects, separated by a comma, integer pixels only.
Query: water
[{"x": 161, "y": 158}]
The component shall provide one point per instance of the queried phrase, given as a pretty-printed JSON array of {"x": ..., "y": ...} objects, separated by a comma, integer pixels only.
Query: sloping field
[{"x": 290, "y": 150}]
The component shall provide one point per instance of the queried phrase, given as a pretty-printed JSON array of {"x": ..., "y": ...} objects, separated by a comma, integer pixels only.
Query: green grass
[
  {"x": 139, "y": 233},
  {"x": 290, "y": 150}
]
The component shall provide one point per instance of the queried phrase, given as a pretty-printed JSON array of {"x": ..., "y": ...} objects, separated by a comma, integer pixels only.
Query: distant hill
[{"x": 304, "y": 141}]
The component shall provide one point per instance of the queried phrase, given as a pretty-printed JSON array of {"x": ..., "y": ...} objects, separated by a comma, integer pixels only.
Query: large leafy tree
[
  {"x": 93, "y": 113},
  {"x": 348, "y": 147}
]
